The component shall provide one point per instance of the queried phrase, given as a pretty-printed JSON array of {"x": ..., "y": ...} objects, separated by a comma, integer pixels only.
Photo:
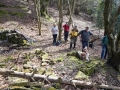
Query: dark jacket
[{"x": 85, "y": 35}]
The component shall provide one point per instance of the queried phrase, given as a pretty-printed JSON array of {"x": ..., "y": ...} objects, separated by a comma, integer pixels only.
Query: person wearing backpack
[
  {"x": 54, "y": 31},
  {"x": 66, "y": 31},
  {"x": 85, "y": 35},
  {"x": 104, "y": 47},
  {"x": 73, "y": 36}
]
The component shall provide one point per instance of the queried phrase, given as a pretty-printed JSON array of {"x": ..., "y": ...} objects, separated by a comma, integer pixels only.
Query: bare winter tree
[
  {"x": 71, "y": 10},
  {"x": 60, "y": 8},
  {"x": 38, "y": 12}
]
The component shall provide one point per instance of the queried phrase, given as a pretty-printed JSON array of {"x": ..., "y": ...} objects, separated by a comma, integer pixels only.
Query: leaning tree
[{"x": 111, "y": 26}]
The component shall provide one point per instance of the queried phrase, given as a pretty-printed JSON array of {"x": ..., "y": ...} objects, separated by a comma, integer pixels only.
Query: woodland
[{"x": 30, "y": 61}]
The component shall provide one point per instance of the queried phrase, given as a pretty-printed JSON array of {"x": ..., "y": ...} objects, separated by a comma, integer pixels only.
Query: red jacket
[{"x": 66, "y": 27}]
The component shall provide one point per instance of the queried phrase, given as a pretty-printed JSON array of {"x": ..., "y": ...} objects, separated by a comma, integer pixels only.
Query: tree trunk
[
  {"x": 77, "y": 10},
  {"x": 113, "y": 43},
  {"x": 44, "y": 8},
  {"x": 37, "y": 7},
  {"x": 71, "y": 10},
  {"x": 115, "y": 61},
  {"x": 38, "y": 77},
  {"x": 60, "y": 7}
]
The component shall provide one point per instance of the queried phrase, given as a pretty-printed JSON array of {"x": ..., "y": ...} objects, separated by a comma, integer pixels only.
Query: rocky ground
[{"x": 25, "y": 22}]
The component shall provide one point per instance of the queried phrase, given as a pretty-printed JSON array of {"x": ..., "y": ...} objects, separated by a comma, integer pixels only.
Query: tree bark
[
  {"x": 53, "y": 79},
  {"x": 113, "y": 43},
  {"x": 71, "y": 7},
  {"x": 77, "y": 10},
  {"x": 44, "y": 8},
  {"x": 60, "y": 7},
  {"x": 38, "y": 12}
]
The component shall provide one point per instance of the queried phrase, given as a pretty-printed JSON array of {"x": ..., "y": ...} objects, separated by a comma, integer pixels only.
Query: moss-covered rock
[
  {"x": 80, "y": 75},
  {"x": 89, "y": 67},
  {"x": 13, "y": 37},
  {"x": 42, "y": 55},
  {"x": 41, "y": 70},
  {"x": 27, "y": 66},
  {"x": 51, "y": 88},
  {"x": 73, "y": 53}
]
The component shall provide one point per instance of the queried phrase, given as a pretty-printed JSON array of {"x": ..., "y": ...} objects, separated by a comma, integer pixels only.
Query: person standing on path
[
  {"x": 104, "y": 47},
  {"x": 54, "y": 31},
  {"x": 66, "y": 31},
  {"x": 85, "y": 35},
  {"x": 73, "y": 36}
]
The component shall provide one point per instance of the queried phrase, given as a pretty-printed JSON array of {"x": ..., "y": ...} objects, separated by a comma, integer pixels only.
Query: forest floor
[{"x": 27, "y": 25}]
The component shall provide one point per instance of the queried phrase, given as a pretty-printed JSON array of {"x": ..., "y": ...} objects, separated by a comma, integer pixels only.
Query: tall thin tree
[
  {"x": 60, "y": 8},
  {"x": 38, "y": 12}
]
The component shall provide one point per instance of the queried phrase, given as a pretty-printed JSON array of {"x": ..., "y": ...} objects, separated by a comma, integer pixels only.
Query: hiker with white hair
[{"x": 54, "y": 31}]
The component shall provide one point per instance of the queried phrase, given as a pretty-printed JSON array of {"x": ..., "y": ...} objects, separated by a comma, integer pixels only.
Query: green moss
[
  {"x": 26, "y": 70},
  {"x": 73, "y": 53},
  {"x": 81, "y": 75},
  {"x": 50, "y": 72},
  {"x": 2, "y": 12},
  {"x": 20, "y": 6},
  {"x": 89, "y": 67},
  {"x": 9, "y": 58},
  {"x": 45, "y": 56},
  {"x": 2, "y": 5},
  {"x": 50, "y": 19},
  {"x": 36, "y": 88},
  {"x": 2, "y": 65},
  {"x": 42, "y": 70},
  {"x": 51, "y": 88},
  {"x": 59, "y": 59},
  {"x": 18, "y": 14},
  {"x": 56, "y": 85}
]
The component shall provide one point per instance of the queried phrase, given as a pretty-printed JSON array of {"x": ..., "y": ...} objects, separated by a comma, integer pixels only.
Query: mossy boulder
[
  {"x": 41, "y": 70},
  {"x": 27, "y": 66},
  {"x": 41, "y": 54},
  {"x": 89, "y": 67},
  {"x": 13, "y": 37},
  {"x": 73, "y": 53},
  {"x": 80, "y": 75},
  {"x": 50, "y": 72},
  {"x": 51, "y": 88}
]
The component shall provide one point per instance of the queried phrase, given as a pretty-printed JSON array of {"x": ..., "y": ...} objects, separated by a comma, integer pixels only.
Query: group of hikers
[{"x": 84, "y": 38}]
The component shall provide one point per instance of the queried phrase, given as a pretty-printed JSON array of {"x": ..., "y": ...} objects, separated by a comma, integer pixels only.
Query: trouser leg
[
  {"x": 54, "y": 38},
  {"x": 84, "y": 44},
  {"x": 65, "y": 35},
  {"x": 106, "y": 51},
  {"x": 103, "y": 52}
]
